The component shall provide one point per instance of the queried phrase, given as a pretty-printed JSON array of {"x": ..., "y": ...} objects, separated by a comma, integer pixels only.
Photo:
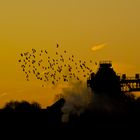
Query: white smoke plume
[{"x": 77, "y": 98}]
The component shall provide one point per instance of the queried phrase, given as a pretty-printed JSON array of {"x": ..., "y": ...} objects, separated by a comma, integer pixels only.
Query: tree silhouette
[{"x": 22, "y": 106}]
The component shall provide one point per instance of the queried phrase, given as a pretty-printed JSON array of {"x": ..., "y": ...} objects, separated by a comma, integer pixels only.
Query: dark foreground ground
[
  {"x": 47, "y": 123},
  {"x": 88, "y": 125}
]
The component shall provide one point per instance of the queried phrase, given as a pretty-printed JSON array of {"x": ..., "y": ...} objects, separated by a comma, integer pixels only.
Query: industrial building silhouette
[{"x": 106, "y": 80}]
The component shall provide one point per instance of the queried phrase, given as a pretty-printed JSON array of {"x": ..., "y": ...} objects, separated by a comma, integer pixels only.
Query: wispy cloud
[
  {"x": 98, "y": 47},
  {"x": 3, "y": 94}
]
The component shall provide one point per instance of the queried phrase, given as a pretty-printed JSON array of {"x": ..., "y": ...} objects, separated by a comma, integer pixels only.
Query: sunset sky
[{"x": 113, "y": 27}]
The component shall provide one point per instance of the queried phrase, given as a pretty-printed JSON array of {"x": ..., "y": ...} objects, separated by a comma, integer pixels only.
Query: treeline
[
  {"x": 131, "y": 104},
  {"x": 21, "y": 106}
]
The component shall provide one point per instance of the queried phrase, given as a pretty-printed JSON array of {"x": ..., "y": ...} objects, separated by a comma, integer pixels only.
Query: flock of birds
[{"x": 60, "y": 67}]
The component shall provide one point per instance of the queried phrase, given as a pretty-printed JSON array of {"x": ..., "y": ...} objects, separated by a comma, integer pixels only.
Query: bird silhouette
[{"x": 53, "y": 68}]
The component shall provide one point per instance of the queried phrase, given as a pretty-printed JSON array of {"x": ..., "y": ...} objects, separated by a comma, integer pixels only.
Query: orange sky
[{"x": 77, "y": 26}]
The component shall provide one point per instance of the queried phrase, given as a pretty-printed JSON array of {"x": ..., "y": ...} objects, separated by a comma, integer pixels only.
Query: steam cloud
[{"x": 77, "y": 98}]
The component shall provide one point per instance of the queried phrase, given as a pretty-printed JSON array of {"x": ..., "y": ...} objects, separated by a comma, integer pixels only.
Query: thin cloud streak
[
  {"x": 3, "y": 94},
  {"x": 98, "y": 47}
]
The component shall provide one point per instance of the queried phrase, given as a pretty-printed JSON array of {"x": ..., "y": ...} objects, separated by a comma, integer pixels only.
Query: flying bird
[
  {"x": 53, "y": 70},
  {"x": 57, "y": 45}
]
